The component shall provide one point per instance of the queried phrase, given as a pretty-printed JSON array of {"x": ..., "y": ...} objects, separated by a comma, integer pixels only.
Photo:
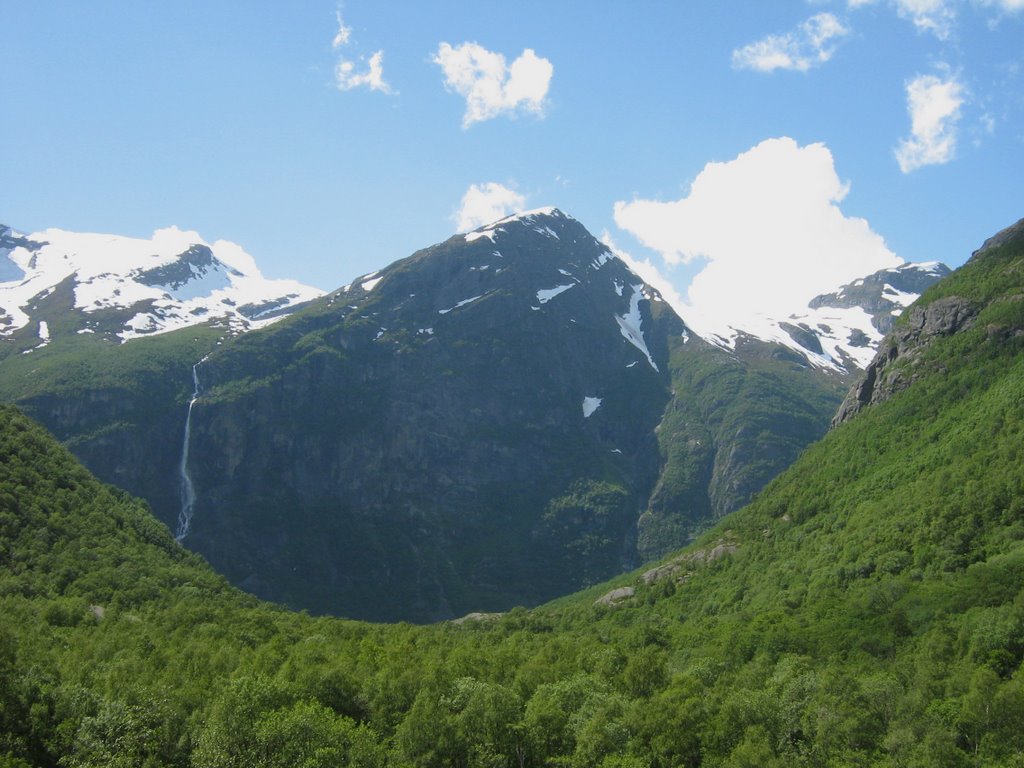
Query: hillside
[
  {"x": 479, "y": 425},
  {"x": 498, "y": 419},
  {"x": 867, "y": 608}
]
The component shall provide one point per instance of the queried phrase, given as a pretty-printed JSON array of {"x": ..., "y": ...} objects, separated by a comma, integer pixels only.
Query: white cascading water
[{"x": 186, "y": 488}]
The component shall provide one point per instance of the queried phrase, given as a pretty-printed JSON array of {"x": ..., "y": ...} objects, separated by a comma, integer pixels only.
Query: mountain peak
[
  {"x": 539, "y": 218},
  {"x": 125, "y": 287}
]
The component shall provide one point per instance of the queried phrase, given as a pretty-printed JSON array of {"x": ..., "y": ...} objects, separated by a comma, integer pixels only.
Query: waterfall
[{"x": 186, "y": 488}]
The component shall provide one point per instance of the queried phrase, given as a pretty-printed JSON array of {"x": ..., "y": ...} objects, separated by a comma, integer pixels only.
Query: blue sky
[{"x": 331, "y": 139}]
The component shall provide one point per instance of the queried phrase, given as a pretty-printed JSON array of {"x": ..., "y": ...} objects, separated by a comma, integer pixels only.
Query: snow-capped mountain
[
  {"x": 837, "y": 331},
  {"x": 495, "y": 263},
  {"x": 494, "y": 420},
  {"x": 124, "y": 288}
]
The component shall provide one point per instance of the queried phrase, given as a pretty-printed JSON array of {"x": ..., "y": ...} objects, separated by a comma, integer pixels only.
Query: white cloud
[
  {"x": 347, "y": 79},
  {"x": 343, "y": 34},
  {"x": 769, "y": 230},
  {"x": 489, "y": 85},
  {"x": 484, "y": 203},
  {"x": 934, "y": 106},
  {"x": 809, "y": 45},
  {"x": 1007, "y": 6},
  {"x": 935, "y": 16}
]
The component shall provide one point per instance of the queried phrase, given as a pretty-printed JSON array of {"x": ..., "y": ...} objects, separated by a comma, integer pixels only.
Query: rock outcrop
[{"x": 894, "y": 366}]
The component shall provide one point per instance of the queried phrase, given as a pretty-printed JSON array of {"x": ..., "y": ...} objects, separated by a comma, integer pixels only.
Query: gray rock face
[
  {"x": 892, "y": 370},
  {"x": 615, "y": 596},
  {"x": 878, "y": 294}
]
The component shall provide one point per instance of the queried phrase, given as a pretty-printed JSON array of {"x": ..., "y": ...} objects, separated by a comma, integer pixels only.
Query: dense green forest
[{"x": 866, "y": 609}]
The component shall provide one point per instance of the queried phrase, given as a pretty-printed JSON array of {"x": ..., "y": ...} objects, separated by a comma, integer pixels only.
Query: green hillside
[{"x": 866, "y": 609}]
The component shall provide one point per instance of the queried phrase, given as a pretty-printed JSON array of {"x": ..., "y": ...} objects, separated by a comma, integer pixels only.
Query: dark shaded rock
[
  {"x": 803, "y": 336},
  {"x": 892, "y": 369}
]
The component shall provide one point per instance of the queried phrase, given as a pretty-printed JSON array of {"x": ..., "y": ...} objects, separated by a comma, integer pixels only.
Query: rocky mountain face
[
  {"x": 898, "y": 361},
  {"x": 120, "y": 288},
  {"x": 470, "y": 428},
  {"x": 495, "y": 420}
]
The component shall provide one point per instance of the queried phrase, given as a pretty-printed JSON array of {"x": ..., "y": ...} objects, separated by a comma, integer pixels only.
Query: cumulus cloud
[
  {"x": 484, "y": 203},
  {"x": 347, "y": 78},
  {"x": 934, "y": 106},
  {"x": 810, "y": 45},
  {"x": 490, "y": 86},
  {"x": 764, "y": 231}
]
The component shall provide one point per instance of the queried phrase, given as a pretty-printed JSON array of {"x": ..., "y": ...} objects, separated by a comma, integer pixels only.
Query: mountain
[
  {"x": 866, "y": 609},
  {"x": 837, "y": 331},
  {"x": 470, "y": 428},
  {"x": 498, "y": 419},
  {"x": 120, "y": 288}
]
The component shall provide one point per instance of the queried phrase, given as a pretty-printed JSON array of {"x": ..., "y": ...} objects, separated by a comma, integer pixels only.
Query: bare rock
[
  {"x": 616, "y": 596},
  {"x": 892, "y": 370}
]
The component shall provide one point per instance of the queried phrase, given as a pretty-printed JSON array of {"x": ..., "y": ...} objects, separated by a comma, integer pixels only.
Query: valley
[
  {"x": 865, "y": 608},
  {"x": 496, "y": 420}
]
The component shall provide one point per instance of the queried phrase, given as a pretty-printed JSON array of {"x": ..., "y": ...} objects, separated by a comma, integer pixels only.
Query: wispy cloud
[
  {"x": 490, "y": 86},
  {"x": 1009, "y": 6},
  {"x": 346, "y": 76},
  {"x": 343, "y": 34},
  {"x": 811, "y": 44},
  {"x": 484, "y": 203},
  {"x": 934, "y": 106},
  {"x": 935, "y": 16}
]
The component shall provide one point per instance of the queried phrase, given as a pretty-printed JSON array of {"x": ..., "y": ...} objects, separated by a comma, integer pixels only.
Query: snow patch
[
  {"x": 590, "y": 404},
  {"x": 427, "y": 331},
  {"x": 630, "y": 325},
  {"x": 931, "y": 267},
  {"x": 547, "y": 294},
  {"x": 44, "y": 332},
  {"x": 488, "y": 233},
  {"x": 462, "y": 303},
  {"x": 604, "y": 258},
  {"x": 369, "y": 285},
  {"x": 896, "y": 296}
]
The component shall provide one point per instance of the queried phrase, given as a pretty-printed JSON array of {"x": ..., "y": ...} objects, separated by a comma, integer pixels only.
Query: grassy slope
[{"x": 872, "y": 613}]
